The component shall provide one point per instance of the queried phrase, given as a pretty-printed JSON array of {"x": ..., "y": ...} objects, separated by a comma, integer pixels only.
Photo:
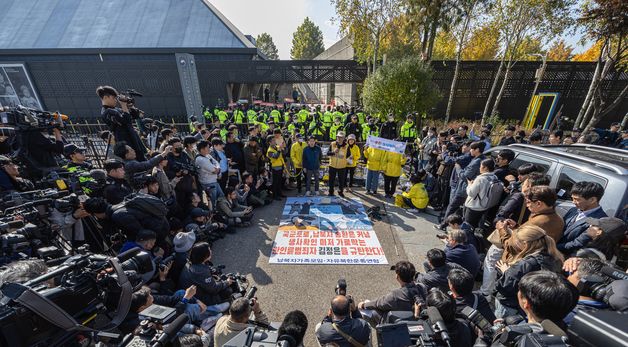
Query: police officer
[
  {"x": 76, "y": 156},
  {"x": 335, "y": 127},
  {"x": 388, "y": 130},
  {"x": 408, "y": 130},
  {"x": 369, "y": 129}
]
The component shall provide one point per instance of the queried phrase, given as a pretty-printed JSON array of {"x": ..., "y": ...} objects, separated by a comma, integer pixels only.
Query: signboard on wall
[{"x": 16, "y": 87}]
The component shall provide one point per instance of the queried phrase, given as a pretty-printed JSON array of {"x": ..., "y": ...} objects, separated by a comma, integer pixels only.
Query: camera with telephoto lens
[
  {"x": 23, "y": 118},
  {"x": 128, "y": 96},
  {"x": 240, "y": 283},
  {"x": 67, "y": 204},
  {"x": 180, "y": 167},
  {"x": 93, "y": 294},
  {"x": 403, "y": 329},
  {"x": 341, "y": 289},
  {"x": 153, "y": 332},
  {"x": 598, "y": 286}
]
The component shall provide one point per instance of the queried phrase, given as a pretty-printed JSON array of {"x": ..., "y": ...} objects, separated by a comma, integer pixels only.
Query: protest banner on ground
[{"x": 326, "y": 230}]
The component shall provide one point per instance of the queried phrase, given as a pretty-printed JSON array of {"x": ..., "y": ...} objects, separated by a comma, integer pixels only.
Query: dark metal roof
[{"x": 88, "y": 24}]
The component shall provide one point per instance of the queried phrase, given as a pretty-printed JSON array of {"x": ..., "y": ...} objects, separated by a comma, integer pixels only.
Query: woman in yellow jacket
[
  {"x": 393, "y": 163},
  {"x": 416, "y": 197},
  {"x": 374, "y": 164},
  {"x": 352, "y": 161}
]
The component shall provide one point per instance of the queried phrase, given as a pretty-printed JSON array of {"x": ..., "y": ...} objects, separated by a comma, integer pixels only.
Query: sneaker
[{"x": 307, "y": 193}]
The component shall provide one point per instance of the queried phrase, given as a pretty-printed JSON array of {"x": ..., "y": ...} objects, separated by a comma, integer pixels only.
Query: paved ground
[{"x": 309, "y": 288}]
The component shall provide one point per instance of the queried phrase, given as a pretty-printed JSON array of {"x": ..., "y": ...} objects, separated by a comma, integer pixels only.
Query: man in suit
[{"x": 586, "y": 196}]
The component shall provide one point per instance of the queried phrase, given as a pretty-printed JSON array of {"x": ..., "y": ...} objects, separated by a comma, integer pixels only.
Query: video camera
[
  {"x": 93, "y": 294},
  {"x": 128, "y": 96},
  {"x": 240, "y": 284},
  {"x": 23, "y": 118},
  {"x": 151, "y": 332},
  {"x": 405, "y": 330},
  {"x": 598, "y": 286},
  {"x": 180, "y": 167}
]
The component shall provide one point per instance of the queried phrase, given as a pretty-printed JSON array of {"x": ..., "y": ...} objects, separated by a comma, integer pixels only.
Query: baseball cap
[
  {"x": 351, "y": 137},
  {"x": 340, "y": 134},
  {"x": 610, "y": 225},
  {"x": 198, "y": 212},
  {"x": 145, "y": 235},
  {"x": 183, "y": 241},
  {"x": 71, "y": 149}
]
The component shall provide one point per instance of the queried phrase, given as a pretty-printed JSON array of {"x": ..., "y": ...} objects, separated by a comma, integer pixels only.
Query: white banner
[
  {"x": 386, "y": 144},
  {"x": 322, "y": 230}
]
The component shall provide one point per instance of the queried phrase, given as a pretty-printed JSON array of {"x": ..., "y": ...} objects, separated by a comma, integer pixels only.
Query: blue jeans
[
  {"x": 423, "y": 163},
  {"x": 193, "y": 310},
  {"x": 372, "y": 180},
  {"x": 214, "y": 191}
]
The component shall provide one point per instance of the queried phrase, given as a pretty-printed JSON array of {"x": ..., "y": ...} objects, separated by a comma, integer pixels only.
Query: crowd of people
[{"x": 182, "y": 193}]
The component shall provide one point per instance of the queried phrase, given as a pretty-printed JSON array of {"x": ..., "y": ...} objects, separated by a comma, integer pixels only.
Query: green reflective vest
[
  {"x": 286, "y": 117},
  {"x": 223, "y": 134},
  {"x": 328, "y": 118},
  {"x": 408, "y": 130},
  {"x": 238, "y": 116},
  {"x": 361, "y": 117},
  {"x": 340, "y": 115},
  {"x": 251, "y": 116},
  {"x": 303, "y": 114},
  {"x": 275, "y": 115},
  {"x": 207, "y": 114},
  {"x": 333, "y": 130},
  {"x": 367, "y": 130},
  {"x": 316, "y": 130},
  {"x": 222, "y": 117},
  {"x": 262, "y": 117}
]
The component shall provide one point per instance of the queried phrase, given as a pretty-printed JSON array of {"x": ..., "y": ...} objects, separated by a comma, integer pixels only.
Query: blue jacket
[
  {"x": 464, "y": 255},
  {"x": 470, "y": 172},
  {"x": 471, "y": 239},
  {"x": 312, "y": 157},
  {"x": 575, "y": 236}
]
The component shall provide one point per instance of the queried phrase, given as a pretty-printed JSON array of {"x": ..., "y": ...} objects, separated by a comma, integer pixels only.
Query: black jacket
[
  {"x": 354, "y": 327},
  {"x": 132, "y": 319},
  {"x": 388, "y": 130},
  {"x": 235, "y": 152},
  {"x": 353, "y": 128},
  {"x": 130, "y": 221},
  {"x": 508, "y": 282},
  {"x": 477, "y": 302},
  {"x": 208, "y": 290},
  {"x": 400, "y": 299},
  {"x": 437, "y": 277},
  {"x": 121, "y": 125},
  {"x": 116, "y": 190},
  {"x": 42, "y": 150}
]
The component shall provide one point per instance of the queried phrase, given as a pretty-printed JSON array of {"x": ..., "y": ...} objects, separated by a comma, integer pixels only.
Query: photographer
[
  {"x": 197, "y": 272},
  {"x": 120, "y": 120},
  {"x": 70, "y": 224},
  {"x": 229, "y": 208},
  {"x": 546, "y": 298},
  {"x": 129, "y": 219},
  {"x": 340, "y": 327},
  {"x": 229, "y": 326},
  {"x": 10, "y": 179},
  {"x": 117, "y": 187},
  {"x": 179, "y": 165},
  {"x": 436, "y": 270},
  {"x": 459, "y": 332},
  {"x": 400, "y": 299},
  {"x": 583, "y": 279},
  {"x": 461, "y": 284},
  {"x": 129, "y": 158},
  {"x": 41, "y": 150}
]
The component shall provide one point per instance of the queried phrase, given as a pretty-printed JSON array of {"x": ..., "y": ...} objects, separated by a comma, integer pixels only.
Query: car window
[
  {"x": 524, "y": 159},
  {"x": 569, "y": 176}
]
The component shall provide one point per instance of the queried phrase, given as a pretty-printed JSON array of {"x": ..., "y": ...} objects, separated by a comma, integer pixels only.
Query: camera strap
[
  {"x": 42, "y": 306},
  {"x": 124, "y": 302},
  {"x": 351, "y": 340}
]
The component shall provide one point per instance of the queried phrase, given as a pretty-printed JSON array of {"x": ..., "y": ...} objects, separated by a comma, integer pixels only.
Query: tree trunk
[
  {"x": 624, "y": 122},
  {"x": 502, "y": 89},
  {"x": 454, "y": 82},
  {"x": 602, "y": 75},
  {"x": 599, "y": 114},
  {"x": 493, "y": 87},
  {"x": 594, "y": 82},
  {"x": 376, "y": 50},
  {"x": 430, "y": 47}
]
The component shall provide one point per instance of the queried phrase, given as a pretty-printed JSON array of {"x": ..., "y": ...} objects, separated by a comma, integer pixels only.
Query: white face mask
[
  {"x": 391, "y": 119},
  {"x": 430, "y": 134}
]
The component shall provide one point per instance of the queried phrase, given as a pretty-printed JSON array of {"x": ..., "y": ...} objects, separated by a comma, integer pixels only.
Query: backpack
[
  {"x": 493, "y": 194},
  {"x": 146, "y": 203}
]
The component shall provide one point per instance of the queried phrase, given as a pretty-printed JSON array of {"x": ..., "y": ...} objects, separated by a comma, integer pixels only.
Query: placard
[
  {"x": 326, "y": 231},
  {"x": 16, "y": 87},
  {"x": 386, "y": 144}
]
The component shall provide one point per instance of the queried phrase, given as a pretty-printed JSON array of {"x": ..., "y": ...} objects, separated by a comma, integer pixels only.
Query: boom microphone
[{"x": 438, "y": 324}]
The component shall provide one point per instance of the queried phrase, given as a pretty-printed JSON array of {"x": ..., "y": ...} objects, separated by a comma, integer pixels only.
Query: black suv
[{"x": 567, "y": 165}]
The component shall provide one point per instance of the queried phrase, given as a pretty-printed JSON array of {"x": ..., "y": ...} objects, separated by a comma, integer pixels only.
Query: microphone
[
  {"x": 438, "y": 324},
  {"x": 171, "y": 331}
]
